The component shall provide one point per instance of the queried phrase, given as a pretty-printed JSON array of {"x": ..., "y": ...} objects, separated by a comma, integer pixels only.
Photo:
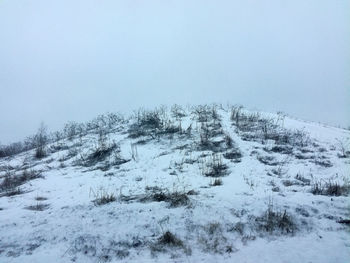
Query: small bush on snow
[
  {"x": 275, "y": 221},
  {"x": 330, "y": 188},
  {"x": 214, "y": 167}
]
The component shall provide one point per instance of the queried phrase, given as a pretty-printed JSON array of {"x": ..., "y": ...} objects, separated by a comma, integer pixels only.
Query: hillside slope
[{"x": 195, "y": 184}]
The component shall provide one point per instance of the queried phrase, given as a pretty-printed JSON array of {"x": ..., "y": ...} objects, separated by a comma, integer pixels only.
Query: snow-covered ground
[{"x": 211, "y": 184}]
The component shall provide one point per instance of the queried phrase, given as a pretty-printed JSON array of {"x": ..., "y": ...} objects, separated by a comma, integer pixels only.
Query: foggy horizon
[{"x": 66, "y": 61}]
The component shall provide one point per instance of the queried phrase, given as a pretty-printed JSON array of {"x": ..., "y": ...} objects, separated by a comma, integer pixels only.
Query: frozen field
[{"x": 195, "y": 184}]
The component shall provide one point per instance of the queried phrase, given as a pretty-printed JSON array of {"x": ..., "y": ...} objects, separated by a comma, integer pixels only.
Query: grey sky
[{"x": 71, "y": 60}]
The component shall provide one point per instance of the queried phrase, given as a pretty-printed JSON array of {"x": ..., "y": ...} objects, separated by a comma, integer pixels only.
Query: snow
[{"x": 74, "y": 229}]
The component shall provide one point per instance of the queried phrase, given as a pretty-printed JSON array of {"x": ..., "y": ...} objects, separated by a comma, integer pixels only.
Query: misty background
[{"x": 70, "y": 60}]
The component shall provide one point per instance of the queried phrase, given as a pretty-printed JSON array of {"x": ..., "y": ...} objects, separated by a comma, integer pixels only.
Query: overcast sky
[{"x": 64, "y": 60}]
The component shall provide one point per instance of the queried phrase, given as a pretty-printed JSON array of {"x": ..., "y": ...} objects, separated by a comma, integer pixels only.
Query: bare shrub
[
  {"x": 228, "y": 141},
  {"x": 113, "y": 119},
  {"x": 285, "y": 149},
  {"x": 214, "y": 167},
  {"x": 12, "y": 192},
  {"x": 11, "y": 149},
  {"x": 333, "y": 188},
  {"x": 204, "y": 136},
  {"x": 147, "y": 123},
  {"x": 154, "y": 124},
  {"x": 168, "y": 242},
  {"x": 169, "y": 239},
  {"x": 170, "y": 128},
  {"x": 317, "y": 188},
  {"x": 71, "y": 130},
  {"x": 288, "y": 183},
  {"x": 150, "y": 119},
  {"x": 174, "y": 199},
  {"x": 102, "y": 196},
  {"x": 58, "y": 147},
  {"x": 57, "y": 136},
  {"x": 72, "y": 152},
  {"x": 252, "y": 126},
  {"x": 202, "y": 113},
  {"x": 11, "y": 181},
  {"x": 40, "y": 141},
  {"x": 330, "y": 188},
  {"x": 344, "y": 149},
  {"x": 210, "y": 130},
  {"x": 275, "y": 221},
  {"x": 178, "y": 112},
  {"x": 235, "y": 115},
  {"x": 234, "y": 154},
  {"x": 209, "y": 138},
  {"x": 239, "y": 227},
  {"x": 102, "y": 150},
  {"x": 217, "y": 182},
  {"x": 323, "y": 162},
  {"x": 214, "y": 114},
  {"x": 268, "y": 160}
]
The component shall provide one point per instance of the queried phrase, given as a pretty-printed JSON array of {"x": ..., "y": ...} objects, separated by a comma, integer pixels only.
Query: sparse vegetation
[
  {"x": 344, "y": 148},
  {"x": 38, "y": 207},
  {"x": 174, "y": 199},
  {"x": 40, "y": 141},
  {"x": 165, "y": 149},
  {"x": 213, "y": 239},
  {"x": 288, "y": 183},
  {"x": 214, "y": 167},
  {"x": 228, "y": 141},
  {"x": 170, "y": 243},
  {"x": 12, "y": 192},
  {"x": 301, "y": 178},
  {"x": 102, "y": 196},
  {"x": 317, "y": 188},
  {"x": 11, "y": 182},
  {"x": 101, "y": 154},
  {"x": 323, "y": 162},
  {"x": 178, "y": 112},
  {"x": 268, "y": 160},
  {"x": 252, "y": 126},
  {"x": 217, "y": 182},
  {"x": 169, "y": 239},
  {"x": 12, "y": 149},
  {"x": 330, "y": 188},
  {"x": 275, "y": 221},
  {"x": 154, "y": 124},
  {"x": 202, "y": 113},
  {"x": 234, "y": 155},
  {"x": 285, "y": 149}
]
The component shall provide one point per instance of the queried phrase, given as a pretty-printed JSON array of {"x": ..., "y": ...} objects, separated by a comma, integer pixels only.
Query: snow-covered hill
[{"x": 194, "y": 184}]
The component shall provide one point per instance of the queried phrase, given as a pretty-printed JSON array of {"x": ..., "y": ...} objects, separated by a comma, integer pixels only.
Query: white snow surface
[{"x": 218, "y": 224}]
